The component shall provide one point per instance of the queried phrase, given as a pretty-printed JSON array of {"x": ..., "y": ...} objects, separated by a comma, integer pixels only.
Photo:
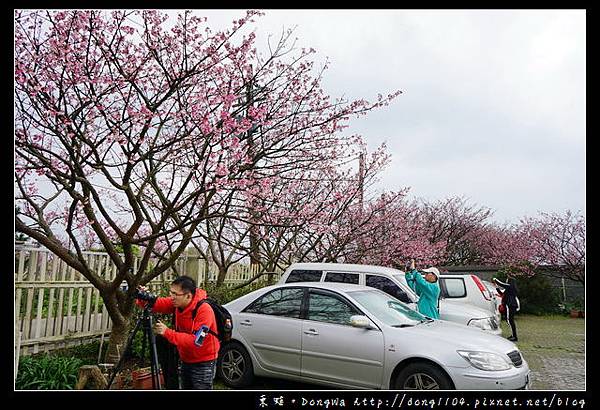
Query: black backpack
[{"x": 222, "y": 317}]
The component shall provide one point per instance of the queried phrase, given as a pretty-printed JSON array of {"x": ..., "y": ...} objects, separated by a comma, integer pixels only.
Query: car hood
[
  {"x": 464, "y": 309},
  {"x": 457, "y": 337}
]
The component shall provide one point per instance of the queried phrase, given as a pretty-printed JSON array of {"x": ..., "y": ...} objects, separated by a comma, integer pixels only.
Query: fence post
[
  {"x": 191, "y": 267},
  {"x": 17, "y": 351}
]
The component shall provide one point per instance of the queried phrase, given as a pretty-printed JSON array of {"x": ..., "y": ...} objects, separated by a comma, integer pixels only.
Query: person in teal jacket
[{"x": 427, "y": 288}]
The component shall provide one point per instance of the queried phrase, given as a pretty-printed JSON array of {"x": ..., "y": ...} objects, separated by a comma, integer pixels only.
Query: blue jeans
[{"x": 198, "y": 376}]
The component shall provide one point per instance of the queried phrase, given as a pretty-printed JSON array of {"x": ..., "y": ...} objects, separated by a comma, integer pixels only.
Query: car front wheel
[
  {"x": 422, "y": 376},
  {"x": 234, "y": 366}
]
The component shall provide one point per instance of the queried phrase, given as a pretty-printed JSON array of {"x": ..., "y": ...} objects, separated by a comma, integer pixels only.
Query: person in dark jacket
[
  {"x": 510, "y": 300},
  {"x": 198, "y": 359}
]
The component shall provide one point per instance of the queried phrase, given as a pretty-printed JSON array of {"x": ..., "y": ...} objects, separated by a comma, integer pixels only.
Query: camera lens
[{"x": 144, "y": 295}]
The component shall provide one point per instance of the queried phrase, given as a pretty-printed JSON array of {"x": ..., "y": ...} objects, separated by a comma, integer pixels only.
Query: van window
[
  {"x": 342, "y": 277},
  {"x": 455, "y": 288},
  {"x": 388, "y": 286},
  {"x": 304, "y": 276}
]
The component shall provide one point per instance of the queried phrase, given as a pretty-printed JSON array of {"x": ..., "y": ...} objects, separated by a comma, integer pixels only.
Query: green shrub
[
  {"x": 136, "y": 350},
  {"x": 575, "y": 304},
  {"x": 136, "y": 345},
  {"x": 87, "y": 353},
  {"x": 47, "y": 373},
  {"x": 224, "y": 294},
  {"x": 538, "y": 296}
]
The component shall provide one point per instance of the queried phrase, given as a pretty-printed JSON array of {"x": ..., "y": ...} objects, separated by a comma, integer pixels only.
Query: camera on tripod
[
  {"x": 145, "y": 324},
  {"x": 145, "y": 295}
]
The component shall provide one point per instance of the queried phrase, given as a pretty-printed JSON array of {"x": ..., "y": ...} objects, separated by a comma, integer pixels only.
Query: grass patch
[{"x": 549, "y": 333}]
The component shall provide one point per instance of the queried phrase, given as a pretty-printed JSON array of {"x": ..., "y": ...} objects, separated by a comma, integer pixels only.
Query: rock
[{"x": 90, "y": 375}]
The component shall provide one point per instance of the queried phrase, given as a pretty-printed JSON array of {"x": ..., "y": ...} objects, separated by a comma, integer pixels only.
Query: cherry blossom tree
[
  {"x": 310, "y": 206},
  {"x": 558, "y": 241},
  {"x": 455, "y": 221},
  {"x": 551, "y": 240},
  {"x": 131, "y": 132},
  {"x": 384, "y": 230},
  {"x": 387, "y": 231},
  {"x": 511, "y": 247}
]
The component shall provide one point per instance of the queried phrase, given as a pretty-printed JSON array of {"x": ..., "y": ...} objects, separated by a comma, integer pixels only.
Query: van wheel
[
  {"x": 234, "y": 366},
  {"x": 422, "y": 376}
]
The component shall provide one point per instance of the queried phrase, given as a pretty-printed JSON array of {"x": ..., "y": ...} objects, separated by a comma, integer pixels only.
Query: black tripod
[{"x": 144, "y": 322}]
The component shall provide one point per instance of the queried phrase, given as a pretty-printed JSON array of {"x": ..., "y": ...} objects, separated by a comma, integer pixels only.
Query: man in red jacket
[{"x": 198, "y": 355}]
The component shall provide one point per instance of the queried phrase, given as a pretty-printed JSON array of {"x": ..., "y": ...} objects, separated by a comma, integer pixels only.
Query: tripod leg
[
  {"x": 154, "y": 366},
  {"x": 117, "y": 368}
]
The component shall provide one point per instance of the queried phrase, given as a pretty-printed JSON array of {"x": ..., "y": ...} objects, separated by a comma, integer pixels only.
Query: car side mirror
[{"x": 360, "y": 321}]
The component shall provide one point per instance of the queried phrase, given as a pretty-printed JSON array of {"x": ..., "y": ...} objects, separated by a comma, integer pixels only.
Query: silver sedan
[{"x": 351, "y": 336}]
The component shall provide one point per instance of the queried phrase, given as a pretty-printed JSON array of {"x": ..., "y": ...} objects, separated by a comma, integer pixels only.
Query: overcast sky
[{"x": 493, "y": 104}]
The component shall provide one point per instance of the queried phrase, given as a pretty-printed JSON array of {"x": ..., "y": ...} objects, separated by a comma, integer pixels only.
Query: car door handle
[
  {"x": 311, "y": 332},
  {"x": 246, "y": 323}
]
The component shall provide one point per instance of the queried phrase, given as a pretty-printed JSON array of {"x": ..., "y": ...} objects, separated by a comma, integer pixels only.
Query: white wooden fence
[
  {"x": 236, "y": 274},
  {"x": 55, "y": 306}
]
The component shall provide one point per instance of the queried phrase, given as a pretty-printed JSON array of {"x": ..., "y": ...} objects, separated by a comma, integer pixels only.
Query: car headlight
[
  {"x": 485, "y": 324},
  {"x": 485, "y": 360}
]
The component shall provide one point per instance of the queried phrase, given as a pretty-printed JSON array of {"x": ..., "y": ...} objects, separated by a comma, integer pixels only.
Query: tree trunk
[
  {"x": 222, "y": 275},
  {"x": 118, "y": 339},
  {"x": 254, "y": 244},
  {"x": 271, "y": 269},
  {"x": 121, "y": 311}
]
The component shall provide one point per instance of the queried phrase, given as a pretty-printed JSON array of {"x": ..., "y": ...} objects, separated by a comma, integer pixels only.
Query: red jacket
[{"x": 183, "y": 337}]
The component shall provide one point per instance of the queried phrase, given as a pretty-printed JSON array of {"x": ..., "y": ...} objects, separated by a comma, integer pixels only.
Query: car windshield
[{"x": 388, "y": 309}]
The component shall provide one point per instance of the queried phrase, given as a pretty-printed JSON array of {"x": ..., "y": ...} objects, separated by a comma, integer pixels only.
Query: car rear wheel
[
  {"x": 422, "y": 376},
  {"x": 234, "y": 366}
]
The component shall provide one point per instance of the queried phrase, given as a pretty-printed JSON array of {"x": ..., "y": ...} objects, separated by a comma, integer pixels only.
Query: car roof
[
  {"x": 459, "y": 275},
  {"x": 348, "y": 267},
  {"x": 344, "y": 287},
  {"x": 462, "y": 275}
]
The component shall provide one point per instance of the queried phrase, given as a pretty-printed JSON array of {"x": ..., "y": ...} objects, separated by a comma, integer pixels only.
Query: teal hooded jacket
[{"x": 428, "y": 293}]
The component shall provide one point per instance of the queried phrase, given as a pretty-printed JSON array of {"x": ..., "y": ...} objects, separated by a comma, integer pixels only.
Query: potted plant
[
  {"x": 142, "y": 378},
  {"x": 575, "y": 309}
]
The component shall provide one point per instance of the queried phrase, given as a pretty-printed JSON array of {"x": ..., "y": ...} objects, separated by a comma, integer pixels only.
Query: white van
[
  {"x": 468, "y": 288},
  {"x": 391, "y": 281}
]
